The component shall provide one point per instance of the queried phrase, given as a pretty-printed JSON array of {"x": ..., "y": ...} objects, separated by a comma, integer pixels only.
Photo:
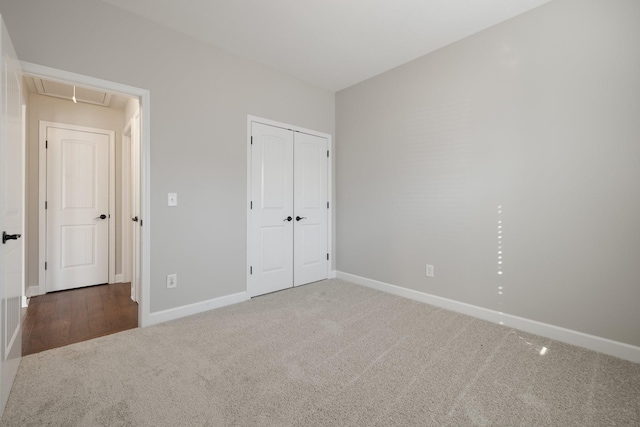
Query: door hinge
[
  {"x": 327, "y": 257},
  {"x": 327, "y": 153},
  {"x": 252, "y": 140},
  {"x": 45, "y": 204},
  {"x": 140, "y": 223},
  {"x": 251, "y": 207},
  {"x": 45, "y": 265},
  {"x": 46, "y": 144},
  {"x": 250, "y": 270},
  {"x": 327, "y": 205}
]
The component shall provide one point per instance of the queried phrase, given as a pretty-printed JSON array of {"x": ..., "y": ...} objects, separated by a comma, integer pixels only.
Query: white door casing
[
  {"x": 288, "y": 200},
  {"x": 310, "y": 209},
  {"x": 11, "y": 214},
  {"x": 272, "y": 208},
  {"x": 78, "y": 211}
]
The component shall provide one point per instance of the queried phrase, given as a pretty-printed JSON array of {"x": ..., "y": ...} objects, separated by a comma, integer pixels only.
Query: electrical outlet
[
  {"x": 172, "y": 281},
  {"x": 429, "y": 270}
]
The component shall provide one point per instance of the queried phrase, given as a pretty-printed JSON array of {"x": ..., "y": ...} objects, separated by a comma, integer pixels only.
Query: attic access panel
[{"x": 65, "y": 91}]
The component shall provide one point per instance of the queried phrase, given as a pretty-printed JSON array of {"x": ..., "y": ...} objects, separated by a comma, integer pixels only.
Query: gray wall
[
  {"x": 539, "y": 115},
  {"x": 64, "y": 111},
  {"x": 200, "y": 98}
]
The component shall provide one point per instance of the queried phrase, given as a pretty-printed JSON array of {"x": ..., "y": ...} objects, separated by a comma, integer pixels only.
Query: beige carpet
[{"x": 330, "y": 353}]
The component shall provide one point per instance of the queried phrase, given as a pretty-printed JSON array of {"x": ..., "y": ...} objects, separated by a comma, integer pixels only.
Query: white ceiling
[{"x": 331, "y": 43}]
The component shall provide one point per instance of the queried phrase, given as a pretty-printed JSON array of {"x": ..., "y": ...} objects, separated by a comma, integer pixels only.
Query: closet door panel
[
  {"x": 272, "y": 205},
  {"x": 310, "y": 209}
]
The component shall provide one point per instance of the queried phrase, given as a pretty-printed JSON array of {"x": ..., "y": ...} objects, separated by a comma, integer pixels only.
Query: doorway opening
[{"x": 67, "y": 106}]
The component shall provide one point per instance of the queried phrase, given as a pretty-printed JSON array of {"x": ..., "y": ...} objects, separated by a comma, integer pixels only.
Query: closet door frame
[{"x": 252, "y": 289}]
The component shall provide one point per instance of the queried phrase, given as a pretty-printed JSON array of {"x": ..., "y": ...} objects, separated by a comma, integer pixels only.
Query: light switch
[{"x": 172, "y": 199}]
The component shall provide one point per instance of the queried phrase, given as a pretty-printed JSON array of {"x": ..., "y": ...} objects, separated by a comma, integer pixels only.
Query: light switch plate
[
  {"x": 172, "y": 199},
  {"x": 172, "y": 281},
  {"x": 429, "y": 271}
]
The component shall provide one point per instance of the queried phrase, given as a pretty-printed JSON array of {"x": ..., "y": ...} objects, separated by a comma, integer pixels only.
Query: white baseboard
[
  {"x": 33, "y": 291},
  {"x": 119, "y": 278},
  {"x": 25, "y": 301},
  {"x": 592, "y": 342},
  {"x": 333, "y": 274},
  {"x": 199, "y": 307}
]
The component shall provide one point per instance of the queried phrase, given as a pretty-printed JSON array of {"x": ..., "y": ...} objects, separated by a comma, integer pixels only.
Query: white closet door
[
  {"x": 310, "y": 209},
  {"x": 272, "y": 210}
]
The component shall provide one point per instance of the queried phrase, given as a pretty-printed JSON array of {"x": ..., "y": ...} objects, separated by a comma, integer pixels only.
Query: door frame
[
  {"x": 42, "y": 196},
  {"x": 144, "y": 97},
  {"x": 254, "y": 119}
]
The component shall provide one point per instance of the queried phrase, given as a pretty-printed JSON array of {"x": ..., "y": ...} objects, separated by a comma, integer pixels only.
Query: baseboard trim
[
  {"x": 119, "y": 278},
  {"x": 591, "y": 342},
  {"x": 333, "y": 274},
  {"x": 199, "y": 307},
  {"x": 33, "y": 291}
]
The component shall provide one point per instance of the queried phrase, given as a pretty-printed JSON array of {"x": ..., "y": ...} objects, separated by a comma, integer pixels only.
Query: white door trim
[
  {"x": 25, "y": 249},
  {"x": 42, "y": 195},
  {"x": 254, "y": 119},
  {"x": 144, "y": 304}
]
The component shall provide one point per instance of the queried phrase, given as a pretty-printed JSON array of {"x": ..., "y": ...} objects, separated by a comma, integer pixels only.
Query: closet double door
[{"x": 289, "y": 212}]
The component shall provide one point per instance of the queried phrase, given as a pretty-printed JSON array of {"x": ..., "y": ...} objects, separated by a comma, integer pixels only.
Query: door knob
[
  {"x": 103, "y": 216},
  {"x": 287, "y": 218},
  {"x": 134, "y": 219},
  {"x": 298, "y": 218},
  {"x": 6, "y": 237}
]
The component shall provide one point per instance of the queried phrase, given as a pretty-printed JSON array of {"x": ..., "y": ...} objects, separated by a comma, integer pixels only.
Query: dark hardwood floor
[{"x": 66, "y": 317}]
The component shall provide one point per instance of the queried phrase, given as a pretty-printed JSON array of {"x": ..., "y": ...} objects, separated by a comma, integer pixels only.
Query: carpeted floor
[{"x": 329, "y": 353}]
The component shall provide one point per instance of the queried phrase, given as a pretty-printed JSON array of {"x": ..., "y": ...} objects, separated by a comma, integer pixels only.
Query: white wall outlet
[
  {"x": 172, "y": 281},
  {"x": 429, "y": 270},
  {"x": 172, "y": 199}
]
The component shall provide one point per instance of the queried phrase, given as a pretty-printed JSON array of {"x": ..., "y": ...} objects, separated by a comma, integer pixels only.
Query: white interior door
[
  {"x": 136, "y": 221},
  {"x": 77, "y": 208},
  {"x": 311, "y": 254},
  {"x": 11, "y": 215},
  {"x": 289, "y": 214},
  {"x": 272, "y": 208}
]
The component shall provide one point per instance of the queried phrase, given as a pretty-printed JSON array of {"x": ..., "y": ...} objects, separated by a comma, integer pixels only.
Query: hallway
[{"x": 66, "y": 317}]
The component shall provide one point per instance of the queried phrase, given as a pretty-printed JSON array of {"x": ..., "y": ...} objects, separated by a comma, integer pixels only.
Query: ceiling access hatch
[{"x": 65, "y": 91}]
